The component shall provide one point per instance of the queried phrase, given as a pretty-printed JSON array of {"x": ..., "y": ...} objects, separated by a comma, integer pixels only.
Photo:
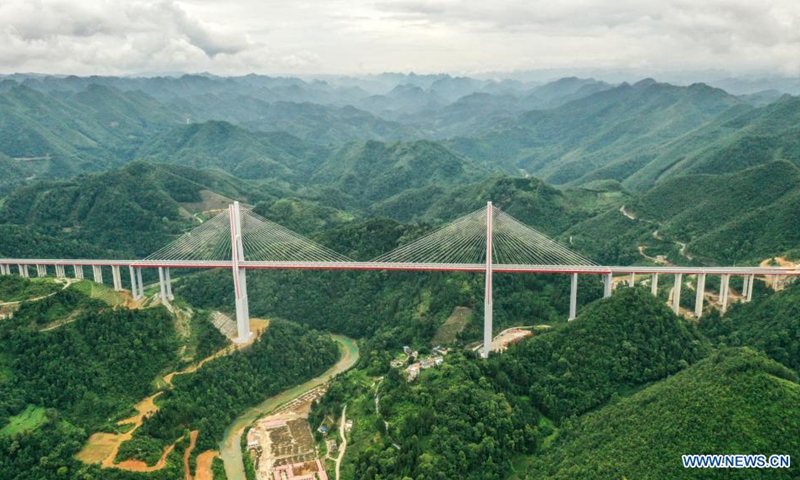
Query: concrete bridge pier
[
  {"x": 78, "y": 271},
  {"x": 133, "y": 282},
  {"x": 170, "y": 296},
  {"x": 724, "y": 288},
  {"x": 162, "y": 285},
  {"x": 116, "y": 276},
  {"x": 4, "y": 269},
  {"x": 749, "y": 293},
  {"x": 487, "y": 297},
  {"x": 676, "y": 293},
  {"x": 607, "y": 284},
  {"x": 632, "y": 281},
  {"x": 23, "y": 271},
  {"x": 139, "y": 281},
  {"x": 654, "y": 285},
  {"x": 60, "y": 271},
  {"x": 41, "y": 271},
  {"x": 701, "y": 290},
  {"x": 97, "y": 272},
  {"x": 573, "y": 298}
]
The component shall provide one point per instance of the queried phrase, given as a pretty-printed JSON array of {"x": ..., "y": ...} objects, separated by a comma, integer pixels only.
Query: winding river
[{"x": 230, "y": 448}]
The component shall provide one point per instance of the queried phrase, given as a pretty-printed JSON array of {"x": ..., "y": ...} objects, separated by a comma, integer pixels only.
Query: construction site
[{"x": 281, "y": 445}]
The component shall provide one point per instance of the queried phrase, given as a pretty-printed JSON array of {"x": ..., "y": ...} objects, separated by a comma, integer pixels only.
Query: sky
[{"x": 144, "y": 37}]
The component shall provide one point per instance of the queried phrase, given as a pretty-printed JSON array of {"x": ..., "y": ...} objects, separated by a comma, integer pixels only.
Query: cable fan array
[
  {"x": 211, "y": 241},
  {"x": 267, "y": 241},
  {"x": 262, "y": 240},
  {"x": 461, "y": 242},
  {"x": 464, "y": 242},
  {"x": 514, "y": 243}
]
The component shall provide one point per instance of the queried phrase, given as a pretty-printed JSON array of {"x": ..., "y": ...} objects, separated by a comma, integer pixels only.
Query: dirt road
[{"x": 343, "y": 446}]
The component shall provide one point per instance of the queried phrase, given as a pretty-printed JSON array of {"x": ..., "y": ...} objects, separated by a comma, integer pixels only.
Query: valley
[{"x": 96, "y": 384}]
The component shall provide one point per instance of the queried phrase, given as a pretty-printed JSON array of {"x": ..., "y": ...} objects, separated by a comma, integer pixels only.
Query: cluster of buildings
[{"x": 435, "y": 359}]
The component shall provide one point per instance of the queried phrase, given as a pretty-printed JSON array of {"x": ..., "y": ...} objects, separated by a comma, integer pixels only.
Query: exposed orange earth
[
  {"x": 204, "y": 462},
  {"x": 103, "y": 448}
]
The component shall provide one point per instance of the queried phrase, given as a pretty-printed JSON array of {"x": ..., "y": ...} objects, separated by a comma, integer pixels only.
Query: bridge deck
[{"x": 449, "y": 267}]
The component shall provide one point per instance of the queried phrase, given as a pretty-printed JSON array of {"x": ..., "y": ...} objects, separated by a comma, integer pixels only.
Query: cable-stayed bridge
[{"x": 485, "y": 241}]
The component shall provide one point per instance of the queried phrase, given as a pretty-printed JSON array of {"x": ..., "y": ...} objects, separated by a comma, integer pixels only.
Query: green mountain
[
  {"x": 745, "y": 216},
  {"x": 128, "y": 213},
  {"x": 233, "y": 149},
  {"x": 528, "y": 199},
  {"x": 770, "y": 324},
  {"x": 620, "y": 127},
  {"x": 614, "y": 345},
  {"x": 49, "y": 136},
  {"x": 741, "y": 138},
  {"x": 315, "y": 123},
  {"x": 374, "y": 171},
  {"x": 736, "y": 401},
  {"x": 729, "y": 218}
]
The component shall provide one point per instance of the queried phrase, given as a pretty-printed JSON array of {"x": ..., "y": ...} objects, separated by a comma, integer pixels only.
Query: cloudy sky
[{"x": 347, "y": 36}]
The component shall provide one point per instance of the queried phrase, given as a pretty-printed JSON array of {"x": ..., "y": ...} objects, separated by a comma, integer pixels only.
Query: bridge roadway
[
  {"x": 449, "y": 267},
  {"x": 240, "y": 266}
]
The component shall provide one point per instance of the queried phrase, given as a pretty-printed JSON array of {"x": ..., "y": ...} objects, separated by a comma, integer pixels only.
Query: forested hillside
[
  {"x": 62, "y": 384},
  {"x": 617, "y": 344},
  {"x": 735, "y": 401},
  {"x": 619, "y": 127},
  {"x": 126, "y": 213}
]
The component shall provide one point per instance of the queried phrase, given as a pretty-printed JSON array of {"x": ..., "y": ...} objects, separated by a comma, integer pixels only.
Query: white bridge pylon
[
  {"x": 494, "y": 239},
  {"x": 238, "y": 236}
]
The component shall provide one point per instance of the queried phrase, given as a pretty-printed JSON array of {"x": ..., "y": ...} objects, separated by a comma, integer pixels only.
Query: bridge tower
[
  {"x": 487, "y": 298},
  {"x": 239, "y": 276}
]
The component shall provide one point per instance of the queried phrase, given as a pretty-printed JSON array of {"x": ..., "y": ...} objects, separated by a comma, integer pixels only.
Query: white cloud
[{"x": 348, "y": 36}]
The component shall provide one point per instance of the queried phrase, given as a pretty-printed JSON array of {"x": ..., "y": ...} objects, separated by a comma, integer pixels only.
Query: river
[{"x": 230, "y": 448}]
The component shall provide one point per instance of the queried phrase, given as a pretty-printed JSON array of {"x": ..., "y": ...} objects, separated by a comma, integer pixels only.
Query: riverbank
[{"x": 230, "y": 447}]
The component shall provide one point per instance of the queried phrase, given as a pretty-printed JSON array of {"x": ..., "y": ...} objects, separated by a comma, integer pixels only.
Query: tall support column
[
  {"x": 775, "y": 283},
  {"x": 487, "y": 297},
  {"x": 701, "y": 290},
  {"x": 78, "y": 271},
  {"x": 607, "y": 284},
  {"x": 573, "y": 297},
  {"x": 676, "y": 293},
  {"x": 60, "y": 271},
  {"x": 654, "y": 285},
  {"x": 134, "y": 290},
  {"x": 41, "y": 270},
  {"x": 23, "y": 271},
  {"x": 745, "y": 279},
  {"x": 162, "y": 285},
  {"x": 239, "y": 276},
  {"x": 632, "y": 281},
  {"x": 3, "y": 270},
  {"x": 139, "y": 279},
  {"x": 97, "y": 272},
  {"x": 723, "y": 292},
  {"x": 170, "y": 296},
  {"x": 116, "y": 275},
  {"x": 749, "y": 294}
]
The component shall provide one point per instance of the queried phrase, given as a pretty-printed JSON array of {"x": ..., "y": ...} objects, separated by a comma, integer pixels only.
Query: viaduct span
[{"x": 486, "y": 241}]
